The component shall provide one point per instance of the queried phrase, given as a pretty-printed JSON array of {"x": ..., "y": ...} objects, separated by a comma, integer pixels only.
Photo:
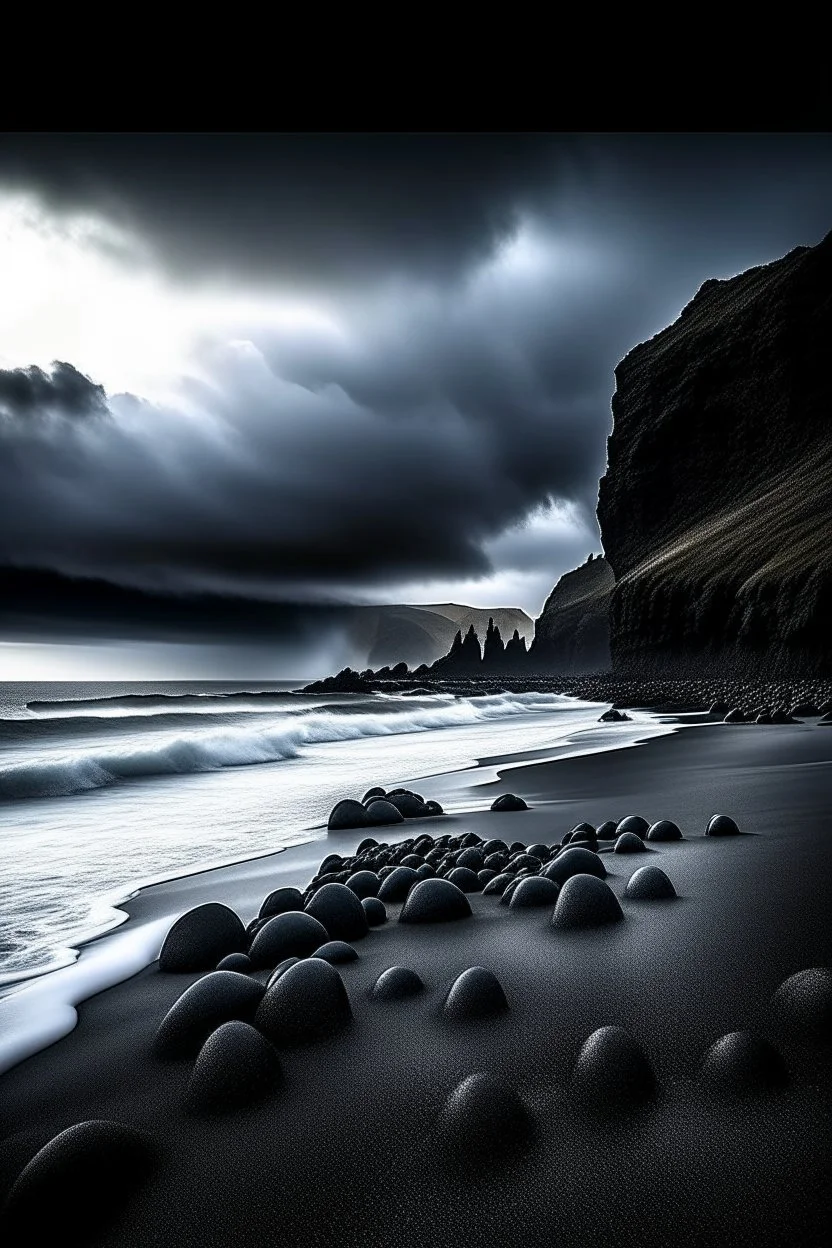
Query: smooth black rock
[
  {"x": 433, "y": 809},
  {"x": 367, "y": 843},
  {"x": 522, "y": 861},
  {"x": 612, "y": 1070},
  {"x": 586, "y": 901},
  {"x": 235, "y": 962},
  {"x": 484, "y": 1118},
  {"x": 332, "y": 863},
  {"x": 413, "y": 860},
  {"x": 348, "y": 814},
  {"x": 307, "y": 1003},
  {"x": 337, "y": 952},
  {"x": 409, "y": 805},
  {"x": 507, "y": 802},
  {"x": 577, "y": 861},
  {"x": 199, "y": 938},
  {"x": 633, "y": 823},
  {"x": 664, "y": 830},
  {"x": 497, "y": 885},
  {"x": 84, "y": 1177},
  {"x": 381, "y": 813},
  {"x": 375, "y": 910},
  {"x": 396, "y": 983},
  {"x": 294, "y": 934},
  {"x": 485, "y": 876},
  {"x": 649, "y": 884},
  {"x": 372, "y": 794},
  {"x": 396, "y": 885},
  {"x": 741, "y": 1063},
  {"x": 508, "y": 891},
  {"x": 535, "y": 890},
  {"x": 496, "y": 861},
  {"x": 236, "y": 1066},
  {"x": 538, "y": 851},
  {"x": 469, "y": 840},
  {"x": 340, "y": 911},
  {"x": 476, "y": 993},
  {"x": 802, "y": 1005},
  {"x": 281, "y": 901},
  {"x": 214, "y": 999},
  {"x": 494, "y": 846},
  {"x": 471, "y": 858},
  {"x": 435, "y": 901},
  {"x": 426, "y": 871},
  {"x": 607, "y": 831},
  {"x": 279, "y": 970},
  {"x": 629, "y": 843},
  {"x": 364, "y": 884},
  {"x": 722, "y": 825},
  {"x": 465, "y": 879}
]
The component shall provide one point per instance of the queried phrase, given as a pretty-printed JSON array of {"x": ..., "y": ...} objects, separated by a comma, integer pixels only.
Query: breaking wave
[{"x": 100, "y": 764}]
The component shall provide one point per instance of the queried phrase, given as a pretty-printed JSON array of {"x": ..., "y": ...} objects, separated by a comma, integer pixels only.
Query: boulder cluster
[{"x": 378, "y": 809}]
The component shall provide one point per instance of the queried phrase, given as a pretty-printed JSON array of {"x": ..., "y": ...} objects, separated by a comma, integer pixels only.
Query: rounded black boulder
[
  {"x": 510, "y": 889},
  {"x": 373, "y": 793},
  {"x": 649, "y": 884},
  {"x": 337, "y": 952},
  {"x": 198, "y": 939},
  {"x": 381, "y": 812},
  {"x": 521, "y": 862},
  {"x": 435, "y": 901},
  {"x": 340, "y": 911},
  {"x": 607, "y": 831},
  {"x": 85, "y": 1176},
  {"x": 465, "y": 879},
  {"x": 432, "y": 809},
  {"x": 281, "y": 901},
  {"x": 279, "y": 970},
  {"x": 348, "y": 814},
  {"x": 212, "y": 1000},
  {"x": 586, "y": 901},
  {"x": 534, "y": 890},
  {"x": 396, "y": 886},
  {"x": 236, "y": 1066},
  {"x": 235, "y": 962},
  {"x": 612, "y": 1070},
  {"x": 802, "y": 1005},
  {"x": 509, "y": 801},
  {"x": 409, "y": 805},
  {"x": 497, "y": 885},
  {"x": 364, "y": 884},
  {"x": 664, "y": 830},
  {"x": 476, "y": 993},
  {"x": 397, "y": 983},
  {"x": 295, "y": 934},
  {"x": 375, "y": 910},
  {"x": 483, "y": 1118},
  {"x": 367, "y": 844},
  {"x": 633, "y": 823},
  {"x": 722, "y": 825},
  {"x": 309, "y": 1002},
  {"x": 577, "y": 861},
  {"x": 472, "y": 858},
  {"x": 629, "y": 843},
  {"x": 538, "y": 851},
  {"x": 742, "y": 1063}
]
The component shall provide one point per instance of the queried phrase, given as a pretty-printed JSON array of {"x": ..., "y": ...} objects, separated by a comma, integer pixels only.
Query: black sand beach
[{"x": 355, "y": 1146}]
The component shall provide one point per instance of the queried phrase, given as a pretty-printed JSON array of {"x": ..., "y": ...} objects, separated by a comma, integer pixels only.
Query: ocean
[{"x": 105, "y": 787}]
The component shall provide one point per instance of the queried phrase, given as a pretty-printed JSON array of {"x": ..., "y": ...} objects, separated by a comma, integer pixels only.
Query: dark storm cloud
[
  {"x": 462, "y": 386},
  {"x": 298, "y": 207},
  {"x": 31, "y": 392}
]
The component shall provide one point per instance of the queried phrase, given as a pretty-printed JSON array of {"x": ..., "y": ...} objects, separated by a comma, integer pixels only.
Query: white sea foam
[{"x": 53, "y": 773}]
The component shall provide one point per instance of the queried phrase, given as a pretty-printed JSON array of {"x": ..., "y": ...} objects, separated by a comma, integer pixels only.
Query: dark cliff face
[
  {"x": 572, "y": 631},
  {"x": 715, "y": 507}
]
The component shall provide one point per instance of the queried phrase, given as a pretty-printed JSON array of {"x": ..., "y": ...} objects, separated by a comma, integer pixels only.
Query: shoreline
[
  {"x": 69, "y": 984},
  {"x": 356, "y": 1113}
]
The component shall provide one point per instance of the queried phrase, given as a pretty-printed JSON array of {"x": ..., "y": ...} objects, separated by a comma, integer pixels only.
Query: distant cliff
[
  {"x": 572, "y": 632},
  {"x": 715, "y": 506},
  {"x": 388, "y": 634}
]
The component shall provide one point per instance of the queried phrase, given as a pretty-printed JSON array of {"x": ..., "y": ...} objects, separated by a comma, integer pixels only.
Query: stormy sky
[{"x": 247, "y": 378}]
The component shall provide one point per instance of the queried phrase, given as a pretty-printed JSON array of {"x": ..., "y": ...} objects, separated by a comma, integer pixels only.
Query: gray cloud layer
[{"x": 462, "y": 390}]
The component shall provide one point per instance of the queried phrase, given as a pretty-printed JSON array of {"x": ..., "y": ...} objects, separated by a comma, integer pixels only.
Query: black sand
[{"x": 353, "y": 1147}]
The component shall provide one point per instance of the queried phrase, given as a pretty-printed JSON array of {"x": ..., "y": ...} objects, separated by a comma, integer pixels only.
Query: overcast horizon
[{"x": 247, "y": 378}]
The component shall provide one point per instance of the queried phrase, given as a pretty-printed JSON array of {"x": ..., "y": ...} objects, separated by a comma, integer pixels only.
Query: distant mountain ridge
[{"x": 389, "y": 634}]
